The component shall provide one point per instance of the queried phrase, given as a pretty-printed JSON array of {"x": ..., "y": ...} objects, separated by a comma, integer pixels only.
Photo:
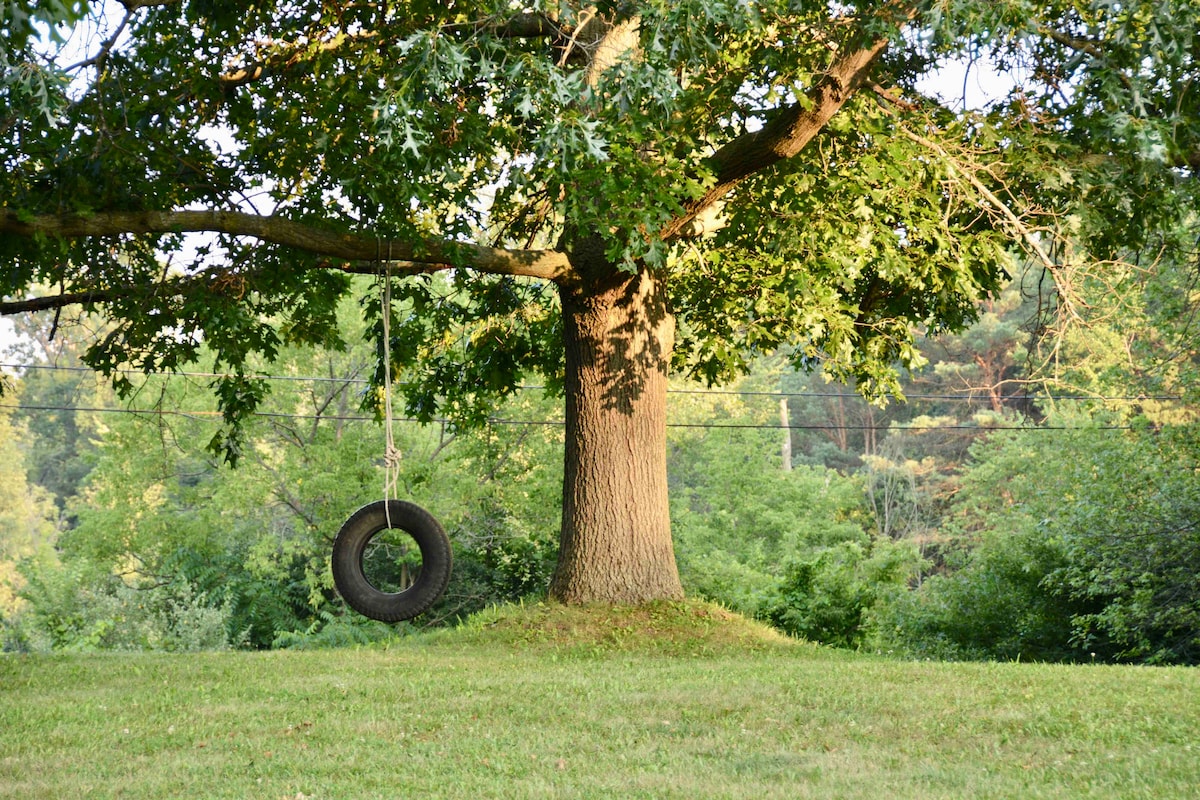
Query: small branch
[
  {"x": 281, "y": 62},
  {"x": 1086, "y": 46},
  {"x": 893, "y": 98},
  {"x": 528, "y": 25},
  {"x": 998, "y": 205},
  {"x": 1010, "y": 218},
  {"x": 585, "y": 17},
  {"x": 106, "y": 46}
]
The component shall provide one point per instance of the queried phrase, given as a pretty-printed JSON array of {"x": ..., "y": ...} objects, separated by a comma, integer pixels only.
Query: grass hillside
[{"x": 671, "y": 701}]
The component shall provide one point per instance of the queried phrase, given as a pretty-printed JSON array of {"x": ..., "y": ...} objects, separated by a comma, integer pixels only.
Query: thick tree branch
[
  {"x": 526, "y": 25},
  {"x": 52, "y": 302},
  {"x": 210, "y": 281},
  {"x": 422, "y": 256},
  {"x": 284, "y": 61},
  {"x": 787, "y": 132}
]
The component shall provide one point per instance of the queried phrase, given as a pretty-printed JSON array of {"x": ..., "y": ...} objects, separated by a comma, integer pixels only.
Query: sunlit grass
[{"x": 669, "y": 702}]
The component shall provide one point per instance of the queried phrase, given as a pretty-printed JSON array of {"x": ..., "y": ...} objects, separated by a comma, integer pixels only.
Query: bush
[
  {"x": 1092, "y": 553},
  {"x": 999, "y": 606},
  {"x": 72, "y": 609},
  {"x": 331, "y": 631},
  {"x": 830, "y": 598},
  {"x": 788, "y": 547}
]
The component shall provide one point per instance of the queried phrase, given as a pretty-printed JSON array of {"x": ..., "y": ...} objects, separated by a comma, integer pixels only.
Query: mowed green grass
[{"x": 681, "y": 701}]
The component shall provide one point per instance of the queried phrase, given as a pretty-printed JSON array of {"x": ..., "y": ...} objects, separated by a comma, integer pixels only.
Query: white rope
[{"x": 391, "y": 454}]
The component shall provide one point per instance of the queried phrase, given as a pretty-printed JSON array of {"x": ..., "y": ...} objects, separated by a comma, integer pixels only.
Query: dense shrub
[
  {"x": 789, "y": 547},
  {"x": 70, "y": 610},
  {"x": 831, "y": 596},
  {"x": 1092, "y": 553}
]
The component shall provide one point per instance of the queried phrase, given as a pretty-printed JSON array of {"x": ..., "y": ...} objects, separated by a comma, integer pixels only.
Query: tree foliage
[
  {"x": 778, "y": 174},
  {"x": 28, "y": 519},
  {"x": 1092, "y": 553},
  {"x": 429, "y": 125}
]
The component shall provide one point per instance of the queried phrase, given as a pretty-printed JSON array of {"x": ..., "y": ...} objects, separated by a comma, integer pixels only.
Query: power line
[
  {"x": 974, "y": 396},
  {"x": 306, "y": 378},
  {"x": 962, "y": 397},
  {"x": 212, "y": 415}
]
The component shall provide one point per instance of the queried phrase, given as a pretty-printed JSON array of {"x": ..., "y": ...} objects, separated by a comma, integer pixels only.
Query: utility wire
[
  {"x": 735, "y": 392},
  {"x": 209, "y": 415},
  {"x": 309, "y": 378}
]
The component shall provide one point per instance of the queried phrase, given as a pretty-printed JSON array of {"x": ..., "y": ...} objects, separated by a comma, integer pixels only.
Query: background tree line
[{"x": 1037, "y": 496}]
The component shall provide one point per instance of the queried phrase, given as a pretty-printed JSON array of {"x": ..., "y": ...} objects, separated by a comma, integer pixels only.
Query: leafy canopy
[{"x": 491, "y": 139}]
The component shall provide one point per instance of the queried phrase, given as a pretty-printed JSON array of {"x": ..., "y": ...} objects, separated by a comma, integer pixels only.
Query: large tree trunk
[{"x": 616, "y": 529}]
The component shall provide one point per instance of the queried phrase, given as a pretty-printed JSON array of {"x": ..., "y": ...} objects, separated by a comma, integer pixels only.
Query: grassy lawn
[{"x": 676, "y": 702}]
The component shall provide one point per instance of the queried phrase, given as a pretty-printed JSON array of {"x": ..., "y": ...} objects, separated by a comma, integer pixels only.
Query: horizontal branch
[
  {"x": 428, "y": 255},
  {"x": 286, "y": 60},
  {"x": 190, "y": 283},
  {"x": 51, "y": 302}
]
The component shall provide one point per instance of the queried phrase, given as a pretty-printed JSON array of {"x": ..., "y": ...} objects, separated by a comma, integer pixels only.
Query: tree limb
[
  {"x": 526, "y": 25},
  {"x": 281, "y": 62},
  {"x": 1086, "y": 46},
  {"x": 52, "y": 302},
  {"x": 419, "y": 256},
  {"x": 788, "y": 131}
]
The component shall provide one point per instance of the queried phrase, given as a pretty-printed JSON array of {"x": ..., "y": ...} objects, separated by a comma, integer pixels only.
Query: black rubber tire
[{"x": 351, "y": 544}]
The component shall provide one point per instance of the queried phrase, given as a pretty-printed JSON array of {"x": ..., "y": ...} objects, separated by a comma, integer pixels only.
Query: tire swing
[
  {"x": 422, "y": 590},
  {"x": 399, "y": 589}
]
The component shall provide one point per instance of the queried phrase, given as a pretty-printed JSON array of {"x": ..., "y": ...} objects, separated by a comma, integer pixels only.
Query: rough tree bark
[{"x": 616, "y": 530}]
